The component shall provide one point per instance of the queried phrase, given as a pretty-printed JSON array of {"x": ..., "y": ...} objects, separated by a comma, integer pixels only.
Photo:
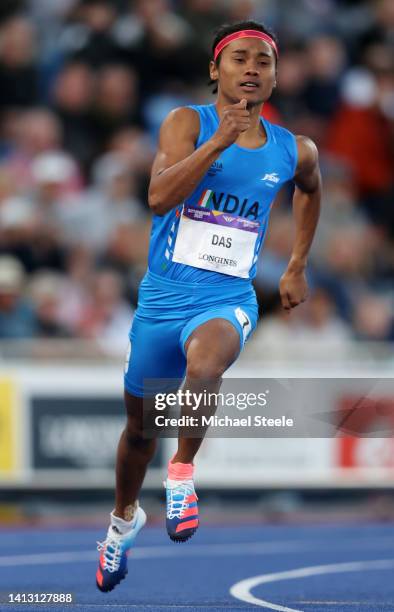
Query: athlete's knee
[
  {"x": 204, "y": 368},
  {"x": 134, "y": 437}
]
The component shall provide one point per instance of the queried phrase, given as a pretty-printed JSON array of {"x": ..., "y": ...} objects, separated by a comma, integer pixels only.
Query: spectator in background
[
  {"x": 94, "y": 216},
  {"x": 91, "y": 37},
  {"x": 18, "y": 70},
  {"x": 204, "y": 16},
  {"x": 134, "y": 145},
  {"x": 241, "y": 10},
  {"x": 8, "y": 186},
  {"x": 350, "y": 252},
  {"x": 326, "y": 63},
  {"x": 288, "y": 97},
  {"x": 362, "y": 130},
  {"x": 116, "y": 102},
  {"x": 72, "y": 99},
  {"x": 40, "y": 240},
  {"x": 37, "y": 130},
  {"x": 315, "y": 331},
  {"x": 32, "y": 133},
  {"x": 48, "y": 17},
  {"x": 309, "y": 76},
  {"x": 381, "y": 30},
  {"x": 299, "y": 19},
  {"x": 373, "y": 318},
  {"x": 46, "y": 290},
  {"x": 320, "y": 325},
  {"x": 16, "y": 226},
  {"x": 55, "y": 174},
  {"x": 158, "y": 53},
  {"x": 49, "y": 11},
  {"x": 350, "y": 255},
  {"x": 275, "y": 335},
  {"x": 108, "y": 315},
  {"x": 17, "y": 318},
  {"x": 339, "y": 206},
  {"x": 76, "y": 286}
]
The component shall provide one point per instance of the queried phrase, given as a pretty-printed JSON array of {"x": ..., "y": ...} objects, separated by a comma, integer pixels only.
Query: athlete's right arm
[{"x": 178, "y": 166}]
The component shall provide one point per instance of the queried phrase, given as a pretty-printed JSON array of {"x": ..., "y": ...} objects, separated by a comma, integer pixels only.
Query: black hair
[{"x": 230, "y": 28}]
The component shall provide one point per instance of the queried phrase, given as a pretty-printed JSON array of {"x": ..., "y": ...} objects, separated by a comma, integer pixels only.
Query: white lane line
[
  {"x": 47, "y": 558},
  {"x": 241, "y": 590},
  {"x": 151, "y": 552},
  {"x": 198, "y": 550},
  {"x": 342, "y": 603}
]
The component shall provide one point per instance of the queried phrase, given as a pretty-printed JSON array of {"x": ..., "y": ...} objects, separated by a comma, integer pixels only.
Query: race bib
[{"x": 216, "y": 241}]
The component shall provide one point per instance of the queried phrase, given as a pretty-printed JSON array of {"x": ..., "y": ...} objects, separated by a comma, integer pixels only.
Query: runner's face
[{"x": 247, "y": 60}]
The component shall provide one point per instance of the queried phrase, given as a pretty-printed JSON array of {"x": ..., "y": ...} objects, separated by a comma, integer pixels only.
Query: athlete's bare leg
[
  {"x": 133, "y": 457},
  {"x": 210, "y": 350}
]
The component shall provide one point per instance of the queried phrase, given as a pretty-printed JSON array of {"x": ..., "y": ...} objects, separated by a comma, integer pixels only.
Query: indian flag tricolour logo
[{"x": 206, "y": 197}]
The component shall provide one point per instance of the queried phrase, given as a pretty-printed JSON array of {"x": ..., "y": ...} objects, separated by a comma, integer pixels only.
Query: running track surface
[{"x": 284, "y": 568}]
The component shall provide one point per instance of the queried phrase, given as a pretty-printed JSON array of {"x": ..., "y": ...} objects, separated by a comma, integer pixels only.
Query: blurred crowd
[{"x": 84, "y": 87}]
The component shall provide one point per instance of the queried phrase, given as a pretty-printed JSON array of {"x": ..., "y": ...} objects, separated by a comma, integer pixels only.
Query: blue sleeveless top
[{"x": 242, "y": 182}]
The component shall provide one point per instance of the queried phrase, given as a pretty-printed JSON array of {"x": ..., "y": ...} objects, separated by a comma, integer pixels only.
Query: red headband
[{"x": 245, "y": 34}]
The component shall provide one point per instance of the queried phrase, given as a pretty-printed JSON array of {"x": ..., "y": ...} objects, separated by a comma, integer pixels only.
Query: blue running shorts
[{"x": 167, "y": 314}]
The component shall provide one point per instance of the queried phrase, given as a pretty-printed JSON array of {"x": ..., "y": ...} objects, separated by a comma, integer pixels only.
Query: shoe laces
[
  {"x": 177, "y": 499},
  {"x": 112, "y": 553}
]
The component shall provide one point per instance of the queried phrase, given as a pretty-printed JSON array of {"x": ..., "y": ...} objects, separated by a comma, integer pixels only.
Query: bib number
[{"x": 216, "y": 241}]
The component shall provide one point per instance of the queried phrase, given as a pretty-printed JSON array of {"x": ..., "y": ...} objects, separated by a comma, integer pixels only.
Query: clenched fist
[
  {"x": 293, "y": 289},
  {"x": 235, "y": 120}
]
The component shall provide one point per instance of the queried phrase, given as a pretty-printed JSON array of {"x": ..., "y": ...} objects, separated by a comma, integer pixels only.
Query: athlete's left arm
[{"x": 306, "y": 209}]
